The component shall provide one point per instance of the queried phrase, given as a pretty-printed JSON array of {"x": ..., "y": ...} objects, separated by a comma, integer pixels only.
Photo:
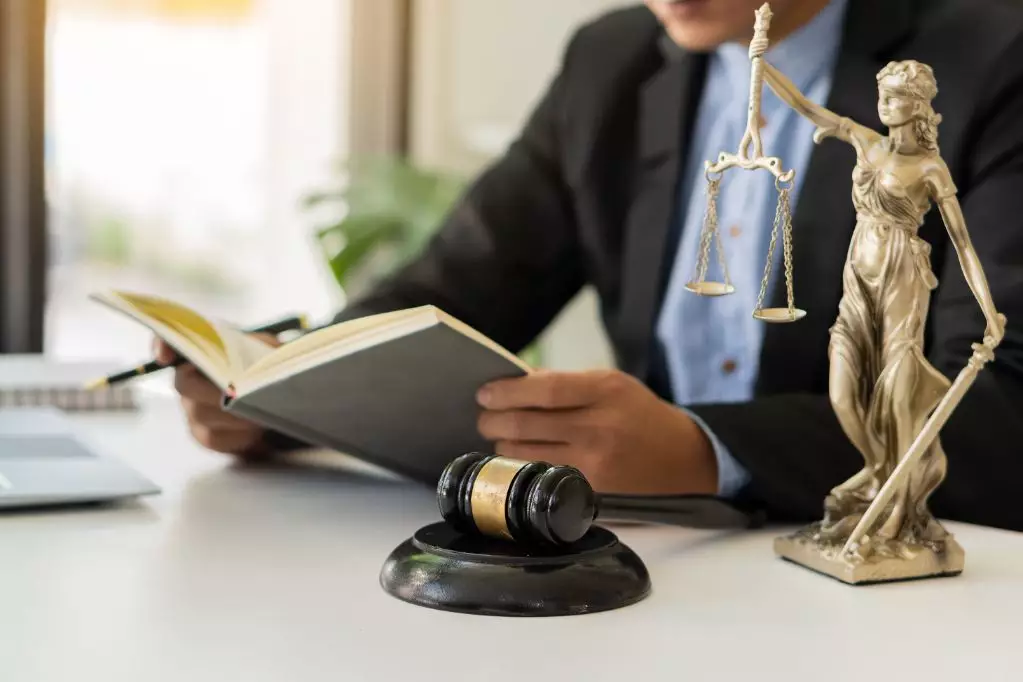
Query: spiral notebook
[{"x": 26, "y": 381}]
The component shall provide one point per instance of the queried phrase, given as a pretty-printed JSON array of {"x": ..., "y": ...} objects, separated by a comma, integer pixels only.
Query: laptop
[{"x": 43, "y": 464}]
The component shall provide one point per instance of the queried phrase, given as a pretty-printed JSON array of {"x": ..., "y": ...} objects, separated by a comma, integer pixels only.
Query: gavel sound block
[{"x": 518, "y": 539}]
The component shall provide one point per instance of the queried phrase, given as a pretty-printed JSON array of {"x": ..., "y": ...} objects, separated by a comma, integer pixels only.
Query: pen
[{"x": 279, "y": 327}]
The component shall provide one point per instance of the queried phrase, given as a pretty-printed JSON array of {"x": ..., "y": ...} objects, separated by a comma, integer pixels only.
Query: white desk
[{"x": 273, "y": 575}]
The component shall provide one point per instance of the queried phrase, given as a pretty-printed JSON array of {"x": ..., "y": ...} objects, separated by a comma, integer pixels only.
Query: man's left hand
[{"x": 607, "y": 424}]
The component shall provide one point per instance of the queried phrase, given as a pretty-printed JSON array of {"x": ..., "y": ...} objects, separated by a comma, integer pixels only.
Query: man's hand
[
  {"x": 209, "y": 423},
  {"x": 605, "y": 423}
]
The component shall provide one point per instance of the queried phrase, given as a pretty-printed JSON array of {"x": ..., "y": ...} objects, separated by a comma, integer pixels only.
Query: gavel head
[{"x": 528, "y": 502}]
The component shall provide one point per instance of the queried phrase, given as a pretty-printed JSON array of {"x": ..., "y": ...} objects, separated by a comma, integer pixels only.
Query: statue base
[
  {"x": 894, "y": 562},
  {"x": 443, "y": 569}
]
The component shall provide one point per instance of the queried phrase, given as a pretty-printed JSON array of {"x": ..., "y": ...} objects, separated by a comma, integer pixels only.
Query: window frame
[
  {"x": 379, "y": 78},
  {"x": 23, "y": 210}
]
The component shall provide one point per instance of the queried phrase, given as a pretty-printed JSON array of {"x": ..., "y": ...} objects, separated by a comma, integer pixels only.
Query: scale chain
[
  {"x": 710, "y": 228},
  {"x": 783, "y": 201},
  {"x": 720, "y": 248},
  {"x": 770, "y": 256},
  {"x": 782, "y": 223}
]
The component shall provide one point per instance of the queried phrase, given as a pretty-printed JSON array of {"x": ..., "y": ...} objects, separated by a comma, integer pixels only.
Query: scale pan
[
  {"x": 779, "y": 315},
  {"x": 710, "y": 288}
]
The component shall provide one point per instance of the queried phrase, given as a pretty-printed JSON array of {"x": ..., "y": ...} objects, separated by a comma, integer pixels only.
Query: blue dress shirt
[{"x": 712, "y": 344}]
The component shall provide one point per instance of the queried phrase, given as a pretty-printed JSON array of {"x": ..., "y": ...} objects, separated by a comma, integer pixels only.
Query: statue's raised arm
[{"x": 829, "y": 124}]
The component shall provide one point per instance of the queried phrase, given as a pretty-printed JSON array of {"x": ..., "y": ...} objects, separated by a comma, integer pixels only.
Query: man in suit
[{"x": 604, "y": 186}]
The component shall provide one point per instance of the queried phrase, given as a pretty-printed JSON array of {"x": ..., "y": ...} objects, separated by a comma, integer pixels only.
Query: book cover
[{"x": 407, "y": 404}]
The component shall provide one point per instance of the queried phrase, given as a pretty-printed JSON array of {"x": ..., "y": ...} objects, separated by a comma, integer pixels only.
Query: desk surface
[{"x": 272, "y": 574}]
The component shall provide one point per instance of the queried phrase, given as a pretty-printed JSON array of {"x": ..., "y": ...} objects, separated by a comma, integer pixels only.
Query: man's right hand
[{"x": 210, "y": 425}]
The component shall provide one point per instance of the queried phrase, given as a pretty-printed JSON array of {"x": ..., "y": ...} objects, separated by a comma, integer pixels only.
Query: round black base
[{"x": 443, "y": 569}]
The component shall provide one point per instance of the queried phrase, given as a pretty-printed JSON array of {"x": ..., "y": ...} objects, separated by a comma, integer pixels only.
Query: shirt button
[
  {"x": 729, "y": 366},
  {"x": 735, "y": 231}
]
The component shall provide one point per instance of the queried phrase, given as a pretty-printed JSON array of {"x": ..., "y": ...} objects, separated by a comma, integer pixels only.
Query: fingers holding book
[
  {"x": 201, "y": 401},
  {"x": 607, "y": 424},
  {"x": 209, "y": 424},
  {"x": 163, "y": 354}
]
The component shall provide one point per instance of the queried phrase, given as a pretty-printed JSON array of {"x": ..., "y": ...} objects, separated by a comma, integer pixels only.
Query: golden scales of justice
[{"x": 783, "y": 183}]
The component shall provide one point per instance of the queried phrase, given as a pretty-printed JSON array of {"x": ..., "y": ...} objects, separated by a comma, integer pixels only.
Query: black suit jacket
[{"x": 588, "y": 193}]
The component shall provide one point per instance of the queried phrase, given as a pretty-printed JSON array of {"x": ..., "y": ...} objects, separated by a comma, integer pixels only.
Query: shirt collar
[{"x": 802, "y": 56}]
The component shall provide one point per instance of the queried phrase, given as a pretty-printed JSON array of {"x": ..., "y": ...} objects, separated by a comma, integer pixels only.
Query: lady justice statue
[{"x": 889, "y": 400}]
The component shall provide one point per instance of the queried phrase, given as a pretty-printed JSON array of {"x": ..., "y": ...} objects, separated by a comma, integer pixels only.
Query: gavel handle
[{"x": 690, "y": 511}]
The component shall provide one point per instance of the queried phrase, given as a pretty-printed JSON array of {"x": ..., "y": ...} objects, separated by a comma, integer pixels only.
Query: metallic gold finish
[
  {"x": 782, "y": 220},
  {"x": 779, "y": 314},
  {"x": 890, "y": 401},
  {"x": 490, "y": 494},
  {"x": 983, "y": 353},
  {"x": 911, "y": 564},
  {"x": 783, "y": 183},
  {"x": 710, "y": 233},
  {"x": 758, "y": 47},
  {"x": 710, "y": 288}
]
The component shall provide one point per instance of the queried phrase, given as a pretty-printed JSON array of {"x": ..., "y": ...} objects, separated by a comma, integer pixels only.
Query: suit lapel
[
  {"x": 666, "y": 108},
  {"x": 794, "y": 356}
]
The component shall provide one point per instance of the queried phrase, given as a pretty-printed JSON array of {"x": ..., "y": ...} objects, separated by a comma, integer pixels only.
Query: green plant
[
  {"x": 381, "y": 215},
  {"x": 384, "y": 211},
  {"x": 108, "y": 240}
]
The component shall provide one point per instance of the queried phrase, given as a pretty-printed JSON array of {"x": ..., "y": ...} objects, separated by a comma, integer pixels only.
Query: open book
[{"x": 397, "y": 389}]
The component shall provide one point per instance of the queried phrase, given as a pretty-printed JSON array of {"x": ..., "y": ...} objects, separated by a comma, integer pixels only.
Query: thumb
[{"x": 165, "y": 355}]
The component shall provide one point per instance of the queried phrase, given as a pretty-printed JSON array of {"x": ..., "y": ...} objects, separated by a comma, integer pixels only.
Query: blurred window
[{"x": 181, "y": 136}]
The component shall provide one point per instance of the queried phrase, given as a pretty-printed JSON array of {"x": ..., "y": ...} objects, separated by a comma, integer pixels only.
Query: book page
[
  {"x": 186, "y": 331},
  {"x": 303, "y": 349},
  {"x": 334, "y": 342},
  {"x": 243, "y": 349}
]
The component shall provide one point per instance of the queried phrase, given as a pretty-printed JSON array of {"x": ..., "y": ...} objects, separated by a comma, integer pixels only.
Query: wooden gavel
[
  {"x": 528, "y": 502},
  {"x": 543, "y": 504}
]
